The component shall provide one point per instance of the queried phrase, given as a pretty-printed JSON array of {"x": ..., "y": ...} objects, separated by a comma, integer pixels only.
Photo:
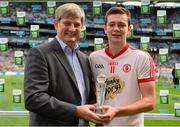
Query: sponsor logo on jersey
[
  {"x": 114, "y": 85},
  {"x": 127, "y": 68},
  {"x": 112, "y": 63},
  {"x": 99, "y": 66},
  {"x": 112, "y": 66}
]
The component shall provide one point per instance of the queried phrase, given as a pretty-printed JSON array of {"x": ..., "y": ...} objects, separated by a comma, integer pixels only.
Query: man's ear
[
  {"x": 129, "y": 28},
  {"x": 55, "y": 24},
  {"x": 82, "y": 26},
  {"x": 105, "y": 29}
]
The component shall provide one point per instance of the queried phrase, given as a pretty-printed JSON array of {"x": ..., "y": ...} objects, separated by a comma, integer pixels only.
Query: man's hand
[
  {"x": 109, "y": 113},
  {"x": 87, "y": 112}
]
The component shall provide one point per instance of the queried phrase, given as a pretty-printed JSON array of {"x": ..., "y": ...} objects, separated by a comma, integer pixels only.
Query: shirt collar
[
  {"x": 117, "y": 54},
  {"x": 66, "y": 48}
]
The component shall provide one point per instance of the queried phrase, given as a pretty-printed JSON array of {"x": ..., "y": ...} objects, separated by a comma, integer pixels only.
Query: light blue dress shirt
[{"x": 76, "y": 67}]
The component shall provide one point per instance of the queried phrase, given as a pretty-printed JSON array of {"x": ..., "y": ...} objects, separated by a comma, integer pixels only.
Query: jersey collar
[{"x": 118, "y": 54}]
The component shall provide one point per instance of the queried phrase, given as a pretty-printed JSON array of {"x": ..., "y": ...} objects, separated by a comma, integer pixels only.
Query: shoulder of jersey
[
  {"x": 138, "y": 51},
  {"x": 97, "y": 52}
]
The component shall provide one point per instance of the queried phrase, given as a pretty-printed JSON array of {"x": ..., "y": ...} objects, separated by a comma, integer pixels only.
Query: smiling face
[
  {"x": 69, "y": 29},
  {"x": 117, "y": 28}
]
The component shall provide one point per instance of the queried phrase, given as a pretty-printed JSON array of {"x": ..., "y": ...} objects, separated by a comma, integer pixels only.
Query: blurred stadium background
[{"x": 27, "y": 23}]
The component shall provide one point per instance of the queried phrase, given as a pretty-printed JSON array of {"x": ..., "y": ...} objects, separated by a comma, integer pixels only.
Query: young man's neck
[{"x": 116, "y": 48}]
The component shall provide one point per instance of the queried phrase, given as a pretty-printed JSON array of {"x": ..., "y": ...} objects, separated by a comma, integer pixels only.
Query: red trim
[
  {"x": 152, "y": 67},
  {"x": 146, "y": 80},
  {"x": 152, "y": 72},
  {"x": 118, "y": 54}
]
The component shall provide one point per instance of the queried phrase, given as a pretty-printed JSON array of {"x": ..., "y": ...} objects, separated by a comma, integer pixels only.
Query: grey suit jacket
[{"x": 50, "y": 87}]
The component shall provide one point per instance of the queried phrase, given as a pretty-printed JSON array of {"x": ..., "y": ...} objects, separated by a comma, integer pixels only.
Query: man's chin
[
  {"x": 71, "y": 41},
  {"x": 116, "y": 39}
]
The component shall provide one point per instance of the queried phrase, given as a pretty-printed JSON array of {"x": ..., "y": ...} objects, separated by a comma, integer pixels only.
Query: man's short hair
[
  {"x": 118, "y": 10},
  {"x": 68, "y": 10}
]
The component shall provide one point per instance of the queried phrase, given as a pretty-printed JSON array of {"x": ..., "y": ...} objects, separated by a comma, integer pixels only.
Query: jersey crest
[{"x": 127, "y": 68}]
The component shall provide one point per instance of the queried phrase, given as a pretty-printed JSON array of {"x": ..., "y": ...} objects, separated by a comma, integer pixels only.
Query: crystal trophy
[{"x": 100, "y": 92}]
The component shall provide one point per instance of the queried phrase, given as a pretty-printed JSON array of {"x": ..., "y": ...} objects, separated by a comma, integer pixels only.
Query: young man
[
  {"x": 130, "y": 86},
  {"x": 57, "y": 83}
]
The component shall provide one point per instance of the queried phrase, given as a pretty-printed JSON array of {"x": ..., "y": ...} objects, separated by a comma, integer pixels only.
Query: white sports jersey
[{"x": 124, "y": 72}]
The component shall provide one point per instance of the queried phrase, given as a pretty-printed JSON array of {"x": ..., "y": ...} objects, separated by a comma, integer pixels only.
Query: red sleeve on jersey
[{"x": 152, "y": 72}]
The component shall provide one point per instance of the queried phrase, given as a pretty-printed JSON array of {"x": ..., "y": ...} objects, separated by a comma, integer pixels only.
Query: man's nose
[
  {"x": 116, "y": 27},
  {"x": 71, "y": 27}
]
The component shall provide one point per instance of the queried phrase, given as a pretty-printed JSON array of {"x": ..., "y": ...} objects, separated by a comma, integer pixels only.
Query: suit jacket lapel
[
  {"x": 63, "y": 60},
  {"x": 84, "y": 70}
]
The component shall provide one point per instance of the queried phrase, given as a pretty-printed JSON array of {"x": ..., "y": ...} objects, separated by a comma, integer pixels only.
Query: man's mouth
[
  {"x": 116, "y": 35},
  {"x": 70, "y": 34}
]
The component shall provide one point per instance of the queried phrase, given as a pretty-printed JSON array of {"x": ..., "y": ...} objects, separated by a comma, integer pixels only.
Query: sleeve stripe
[
  {"x": 146, "y": 80},
  {"x": 152, "y": 68}
]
